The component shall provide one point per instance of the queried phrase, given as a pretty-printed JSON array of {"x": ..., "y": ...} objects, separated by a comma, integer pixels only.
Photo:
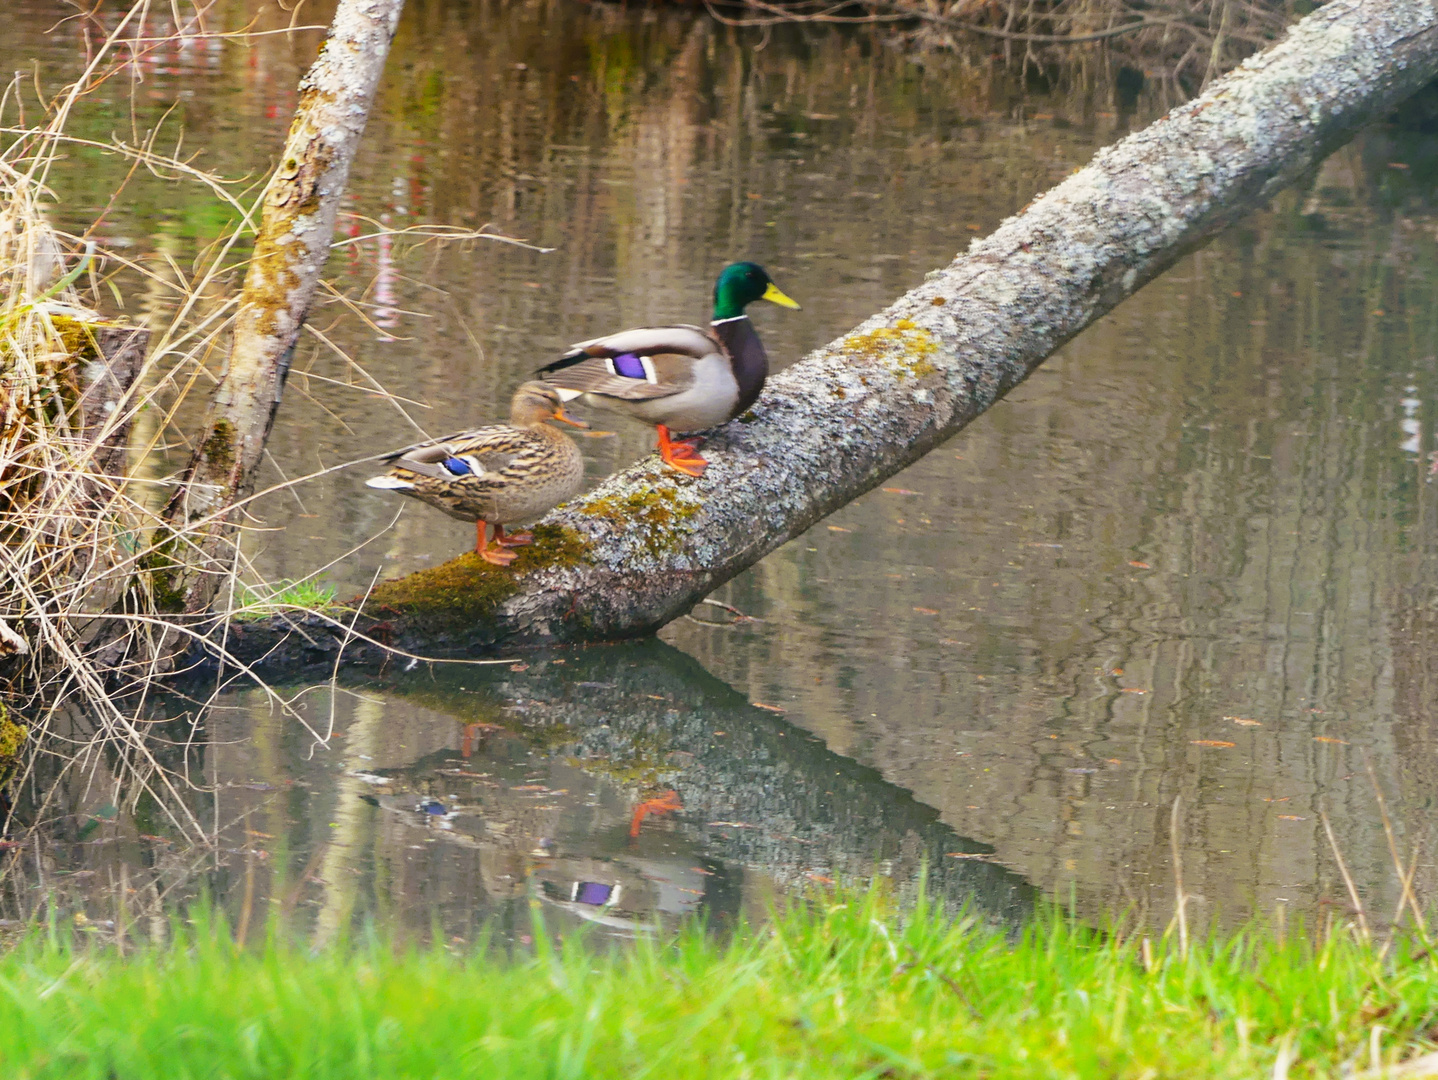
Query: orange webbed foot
[
  {"x": 499, "y": 556},
  {"x": 682, "y": 455},
  {"x": 691, "y": 466}
]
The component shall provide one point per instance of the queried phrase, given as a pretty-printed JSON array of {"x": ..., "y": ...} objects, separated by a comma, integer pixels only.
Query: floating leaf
[
  {"x": 1291, "y": 817},
  {"x": 1244, "y": 721},
  {"x": 770, "y": 708},
  {"x": 926, "y": 611},
  {"x": 901, "y": 491},
  {"x": 1217, "y": 743},
  {"x": 1131, "y": 690},
  {"x": 839, "y": 528},
  {"x": 1140, "y": 565},
  {"x": 1330, "y": 738}
]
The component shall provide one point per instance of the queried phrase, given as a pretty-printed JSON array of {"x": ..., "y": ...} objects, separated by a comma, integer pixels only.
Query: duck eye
[{"x": 457, "y": 466}]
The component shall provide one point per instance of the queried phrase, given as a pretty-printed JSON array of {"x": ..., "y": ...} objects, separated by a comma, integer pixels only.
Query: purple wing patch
[{"x": 630, "y": 366}]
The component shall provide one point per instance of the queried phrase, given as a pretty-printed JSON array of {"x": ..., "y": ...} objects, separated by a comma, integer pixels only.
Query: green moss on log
[
  {"x": 465, "y": 592},
  {"x": 219, "y": 448},
  {"x": 12, "y": 740},
  {"x": 162, "y": 576},
  {"x": 658, "y": 511}
]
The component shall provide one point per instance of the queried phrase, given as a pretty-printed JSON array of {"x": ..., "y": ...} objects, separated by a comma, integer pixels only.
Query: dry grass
[
  {"x": 88, "y": 622},
  {"x": 1180, "y": 45}
]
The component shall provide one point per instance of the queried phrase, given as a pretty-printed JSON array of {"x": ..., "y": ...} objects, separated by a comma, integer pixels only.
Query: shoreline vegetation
[
  {"x": 840, "y": 985},
  {"x": 1182, "y": 47}
]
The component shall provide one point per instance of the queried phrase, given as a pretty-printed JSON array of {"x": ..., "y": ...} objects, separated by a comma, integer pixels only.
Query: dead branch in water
[{"x": 300, "y": 206}]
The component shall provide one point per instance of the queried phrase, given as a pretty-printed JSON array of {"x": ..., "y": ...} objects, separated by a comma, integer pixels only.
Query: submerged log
[
  {"x": 645, "y": 546},
  {"x": 300, "y": 206}
]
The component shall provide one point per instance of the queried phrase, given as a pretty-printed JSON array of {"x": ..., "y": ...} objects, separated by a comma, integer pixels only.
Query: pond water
[{"x": 1191, "y": 557}]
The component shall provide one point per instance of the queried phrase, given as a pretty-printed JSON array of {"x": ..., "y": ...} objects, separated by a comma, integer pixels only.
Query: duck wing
[
  {"x": 492, "y": 449},
  {"x": 634, "y": 365}
]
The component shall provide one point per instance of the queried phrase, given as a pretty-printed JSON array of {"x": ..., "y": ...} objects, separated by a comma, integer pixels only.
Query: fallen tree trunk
[
  {"x": 647, "y": 545},
  {"x": 300, "y": 206}
]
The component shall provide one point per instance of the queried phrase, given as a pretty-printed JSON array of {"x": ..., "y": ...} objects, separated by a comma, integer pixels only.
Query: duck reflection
[
  {"x": 545, "y": 829},
  {"x": 617, "y": 791}
]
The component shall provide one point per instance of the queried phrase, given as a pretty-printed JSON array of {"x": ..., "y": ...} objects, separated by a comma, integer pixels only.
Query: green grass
[
  {"x": 257, "y": 601},
  {"x": 843, "y": 989}
]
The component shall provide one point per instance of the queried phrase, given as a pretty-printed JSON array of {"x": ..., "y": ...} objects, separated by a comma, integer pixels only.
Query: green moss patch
[
  {"x": 657, "y": 512},
  {"x": 466, "y": 591},
  {"x": 12, "y": 737}
]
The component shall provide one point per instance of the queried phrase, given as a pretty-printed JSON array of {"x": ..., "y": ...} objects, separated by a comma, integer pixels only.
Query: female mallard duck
[
  {"x": 678, "y": 378},
  {"x": 495, "y": 475}
]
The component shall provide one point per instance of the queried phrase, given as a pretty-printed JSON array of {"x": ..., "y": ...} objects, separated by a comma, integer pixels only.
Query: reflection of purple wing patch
[
  {"x": 630, "y": 366},
  {"x": 593, "y": 893}
]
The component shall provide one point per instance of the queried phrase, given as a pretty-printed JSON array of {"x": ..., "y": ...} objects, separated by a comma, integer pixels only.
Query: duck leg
[
  {"x": 513, "y": 540},
  {"x": 680, "y": 454},
  {"x": 491, "y": 553}
]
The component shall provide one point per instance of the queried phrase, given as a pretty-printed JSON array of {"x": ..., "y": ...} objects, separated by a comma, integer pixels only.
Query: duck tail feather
[
  {"x": 388, "y": 482},
  {"x": 569, "y": 359}
]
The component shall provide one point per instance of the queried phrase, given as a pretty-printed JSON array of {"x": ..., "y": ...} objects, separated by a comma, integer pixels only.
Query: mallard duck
[
  {"x": 678, "y": 378},
  {"x": 495, "y": 475}
]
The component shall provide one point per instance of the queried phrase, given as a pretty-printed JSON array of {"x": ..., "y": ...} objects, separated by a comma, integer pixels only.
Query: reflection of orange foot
[
  {"x": 466, "y": 746},
  {"x": 681, "y": 454},
  {"x": 664, "y": 804}
]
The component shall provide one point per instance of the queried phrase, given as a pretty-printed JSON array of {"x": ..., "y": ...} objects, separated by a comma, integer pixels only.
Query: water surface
[{"x": 1188, "y": 558}]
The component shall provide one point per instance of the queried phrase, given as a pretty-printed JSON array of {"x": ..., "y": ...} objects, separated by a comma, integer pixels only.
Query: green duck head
[{"x": 742, "y": 283}]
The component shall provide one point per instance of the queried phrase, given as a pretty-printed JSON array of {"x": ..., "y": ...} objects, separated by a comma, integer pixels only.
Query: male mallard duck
[
  {"x": 495, "y": 475},
  {"x": 678, "y": 378}
]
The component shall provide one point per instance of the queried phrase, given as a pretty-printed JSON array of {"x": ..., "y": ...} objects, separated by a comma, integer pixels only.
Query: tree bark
[
  {"x": 293, "y": 242},
  {"x": 120, "y": 354},
  {"x": 647, "y": 545}
]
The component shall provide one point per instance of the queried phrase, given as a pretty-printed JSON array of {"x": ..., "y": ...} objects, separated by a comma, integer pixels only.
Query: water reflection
[
  {"x": 1208, "y": 521},
  {"x": 623, "y": 788}
]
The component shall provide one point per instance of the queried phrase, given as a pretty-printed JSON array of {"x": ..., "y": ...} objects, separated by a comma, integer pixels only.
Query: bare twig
[{"x": 1347, "y": 878}]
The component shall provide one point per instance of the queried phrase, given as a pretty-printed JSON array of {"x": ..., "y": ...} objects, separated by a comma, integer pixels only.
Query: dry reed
[{"x": 87, "y": 626}]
